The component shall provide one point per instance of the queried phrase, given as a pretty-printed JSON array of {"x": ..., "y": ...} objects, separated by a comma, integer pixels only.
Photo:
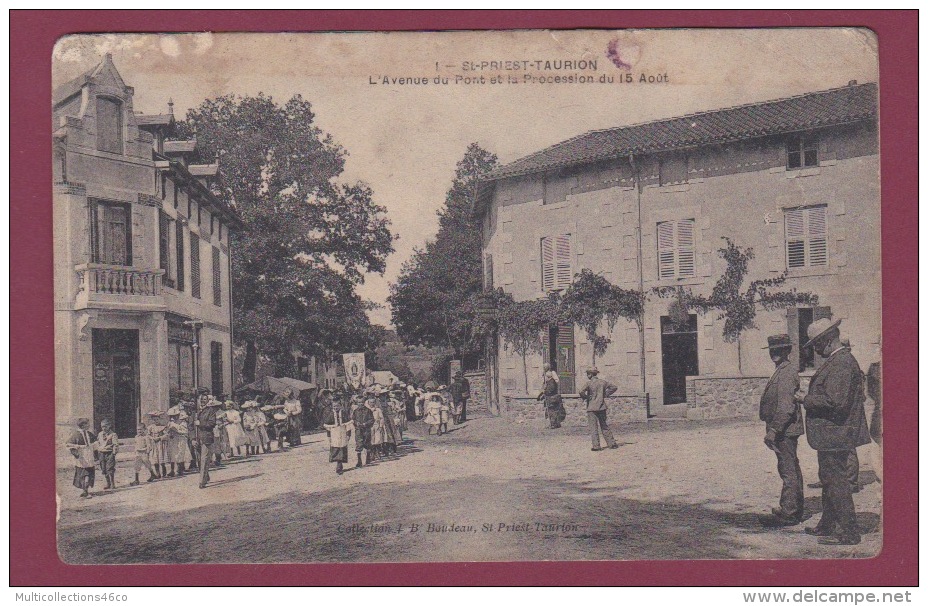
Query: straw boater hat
[
  {"x": 182, "y": 416},
  {"x": 592, "y": 371},
  {"x": 820, "y": 328},
  {"x": 778, "y": 342},
  {"x": 173, "y": 411}
]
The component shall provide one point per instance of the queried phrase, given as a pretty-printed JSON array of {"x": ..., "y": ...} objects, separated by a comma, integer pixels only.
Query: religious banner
[{"x": 354, "y": 369}]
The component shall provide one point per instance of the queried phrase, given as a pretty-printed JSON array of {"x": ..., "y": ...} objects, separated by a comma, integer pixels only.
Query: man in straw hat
[
  {"x": 595, "y": 393},
  {"x": 783, "y": 416},
  {"x": 836, "y": 425}
]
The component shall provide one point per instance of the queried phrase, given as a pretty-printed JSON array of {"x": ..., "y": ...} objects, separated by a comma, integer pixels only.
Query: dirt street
[{"x": 489, "y": 490}]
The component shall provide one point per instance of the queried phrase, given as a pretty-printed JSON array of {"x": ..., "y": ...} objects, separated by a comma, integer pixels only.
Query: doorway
[
  {"x": 116, "y": 379},
  {"x": 679, "y": 356},
  {"x": 559, "y": 352}
]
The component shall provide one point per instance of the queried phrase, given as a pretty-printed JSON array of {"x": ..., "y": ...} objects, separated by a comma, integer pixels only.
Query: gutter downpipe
[{"x": 641, "y": 358}]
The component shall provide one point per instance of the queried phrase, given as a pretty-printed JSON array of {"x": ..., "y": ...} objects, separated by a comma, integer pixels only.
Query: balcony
[{"x": 118, "y": 287}]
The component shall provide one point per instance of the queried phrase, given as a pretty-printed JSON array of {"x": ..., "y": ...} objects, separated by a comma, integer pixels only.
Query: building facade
[
  {"x": 143, "y": 306},
  {"x": 796, "y": 180}
]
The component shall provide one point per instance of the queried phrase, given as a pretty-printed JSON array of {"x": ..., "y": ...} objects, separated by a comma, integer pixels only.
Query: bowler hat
[
  {"x": 778, "y": 342},
  {"x": 819, "y": 328}
]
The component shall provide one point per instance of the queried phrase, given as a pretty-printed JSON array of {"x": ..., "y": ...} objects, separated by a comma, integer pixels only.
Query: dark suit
[
  {"x": 782, "y": 414},
  {"x": 595, "y": 393},
  {"x": 836, "y": 425},
  {"x": 460, "y": 393}
]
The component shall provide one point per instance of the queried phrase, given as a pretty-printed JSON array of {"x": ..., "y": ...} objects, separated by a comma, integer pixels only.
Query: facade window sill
[
  {"x": 691, "y": 281},
  {"x": 809, "y": 272},
  {"x": 803, "y": 172},
  {"x": 675, "y": 188}
]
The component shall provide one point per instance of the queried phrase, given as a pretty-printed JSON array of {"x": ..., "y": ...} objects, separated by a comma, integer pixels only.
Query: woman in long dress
[
  {"x": 433, "y": 405},
  {"x": 251, "y": 423},
  {"x": 177, "y": 451},
  {"x": 235, "y": 433},
  {"x": 398, "y": 405},
  {"x": 390, "y": 434},
  {"x": 157, "y": 431},
  {"x": 378, "y": 427}
]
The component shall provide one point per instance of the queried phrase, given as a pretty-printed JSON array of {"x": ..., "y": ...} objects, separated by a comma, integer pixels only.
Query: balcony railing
[{"x": 118, "y": 285}]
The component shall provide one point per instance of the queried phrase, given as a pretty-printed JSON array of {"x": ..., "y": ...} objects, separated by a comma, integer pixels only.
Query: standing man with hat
[
  {"x": 460, "y": 393},
  {"x": 782, "y": 413},
  {"x": 205, "y": 423},
  {"x": 595, "y": 393},
  {"x": 836, "y": 425}
]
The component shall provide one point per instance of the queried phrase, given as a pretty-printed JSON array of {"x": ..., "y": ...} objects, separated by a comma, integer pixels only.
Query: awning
[{"x": 280, "y": 386}]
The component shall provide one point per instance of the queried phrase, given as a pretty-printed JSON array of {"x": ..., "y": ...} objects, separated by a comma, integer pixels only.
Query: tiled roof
[
  {"x": 180, "y": 147},
  {"x": 812, "y": 110},
  {"x": 154, "y": 119}
]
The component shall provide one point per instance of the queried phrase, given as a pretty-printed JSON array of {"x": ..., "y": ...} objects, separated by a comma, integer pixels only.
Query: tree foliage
[
  {"x": 521, "y": 323},
  {"x": 308, "y": 239},
  {"x": 431, "y": 299},
  {"x": 591, "y": 299}
]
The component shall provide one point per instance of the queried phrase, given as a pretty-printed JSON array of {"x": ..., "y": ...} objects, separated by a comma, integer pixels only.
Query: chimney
[
  {"x": 171, "y": 104},
  {"x": 852, "y": 83}
]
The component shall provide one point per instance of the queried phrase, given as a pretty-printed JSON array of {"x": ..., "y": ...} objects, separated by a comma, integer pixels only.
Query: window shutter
[
  {"x": 818, "y": 231},
  {"x": 164, "y": 243},
  {"x": 666, "y": 257},
  {"x": 488, "y": 272},
  {"x": 180, "y": 254},
  {"x": 195, "y": 265},
  {"x": 217, "y": 278},
  {"x": 563, "y": 273},
  {"x": 547, "y": 264},
  {"x": 686, "y": 257}
]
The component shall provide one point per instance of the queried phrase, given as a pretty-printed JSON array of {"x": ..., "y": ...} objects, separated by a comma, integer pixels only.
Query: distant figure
[
  {"x": 460, "y": 394},
  {"x": 363, "y": 418},
  {"x": 595, "y": 393},
  {"x": 783, "y": 416},
  {"x": 294, "y": 409},
  {"x": 205, "y": 423},
  {"x": 551, "y": 397},
  {"x": 178, "y": 454},
  {"x": 80, "y": 444},
  {"x": 836, "y": 425},
  {"x": 107, "y": 448},
  {"x": 157, "y": 433}
]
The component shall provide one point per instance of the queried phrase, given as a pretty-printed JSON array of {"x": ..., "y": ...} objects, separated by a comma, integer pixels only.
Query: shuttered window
[
  {"x": 556, "y": 271},
  {"x": 179, "y": 242},
  {"x": 676, "y": 255},
  {"x": 488, "y": 272},
  {"x": 110, "y": 233},
  {"x": 109, "y": 125},
  {"x": 164, "y": 246},
  {"x": 217, "y": 278},
  {"x": 195, "y": 265},
  {"x": 806, "y": 237}
]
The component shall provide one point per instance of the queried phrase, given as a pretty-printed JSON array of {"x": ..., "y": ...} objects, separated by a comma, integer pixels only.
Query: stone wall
[
  {"x": 622, "y": 409},
  {"x": 478, "y": 390},
  {"x": 723, "y": 397}
]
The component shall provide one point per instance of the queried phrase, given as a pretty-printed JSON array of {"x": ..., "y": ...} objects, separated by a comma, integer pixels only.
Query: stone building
[
  {"x": 143, "y": 302},
  {"x": 795, "y": 179}
]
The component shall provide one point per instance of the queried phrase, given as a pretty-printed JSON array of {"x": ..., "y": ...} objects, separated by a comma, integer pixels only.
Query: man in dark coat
[
  {"x": 460, "y": 393},
  {"x": 205, "y": 423},
  {"x": 835, "y": 424},
  {"x": 595, "y": 393},
  {"x": 363, "y": 422},
  {"x": 783, "y": 416}
]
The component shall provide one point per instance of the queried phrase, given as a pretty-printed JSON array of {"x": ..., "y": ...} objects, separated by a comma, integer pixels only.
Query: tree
[
  {"x": 429, "y": 298},
  {"x": 308, "y": 239},
  {"x": 738, "y": 308},
  {"x": 591, "y": 299}
]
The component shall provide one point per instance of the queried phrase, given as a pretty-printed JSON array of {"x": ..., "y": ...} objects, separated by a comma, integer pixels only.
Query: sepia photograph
[{"x": 467, "y": 296}]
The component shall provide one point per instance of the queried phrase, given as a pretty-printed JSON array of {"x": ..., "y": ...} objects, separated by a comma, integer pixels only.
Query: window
[
  {"x": 164, "y": 187},
  {"x": 488, "y": 272},
  {"x": 179, "y": 242},
  {"x": 110, "y": 233},
  {"x": 109, "y": 125},
  {"x": 164, "y": 246},
  {"x": 558, "y": 350},
  {"x": 556, "y": 273},
  {"x": 798, "y": 320},
  {"x": 195, "y": 265},
  {"x": 801, "y": 153},
  {"x": 215, "y": 358},
  {"x": 676, "y": 257},
  {"x": 806, "y": 237},
  {"x": 217, "y": 278}
]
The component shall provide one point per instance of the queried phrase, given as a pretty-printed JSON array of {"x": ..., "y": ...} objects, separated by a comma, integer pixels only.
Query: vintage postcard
[{"x": 467, "y": 296}]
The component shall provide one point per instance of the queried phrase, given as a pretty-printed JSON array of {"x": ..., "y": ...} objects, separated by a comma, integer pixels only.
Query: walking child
[
  {"x": 107, "y": 447},
  {"x": 142, "y": 452}
]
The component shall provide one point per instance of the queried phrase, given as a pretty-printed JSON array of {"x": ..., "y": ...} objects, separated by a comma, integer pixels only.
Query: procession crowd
[{"x": 195, "y": 435}]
